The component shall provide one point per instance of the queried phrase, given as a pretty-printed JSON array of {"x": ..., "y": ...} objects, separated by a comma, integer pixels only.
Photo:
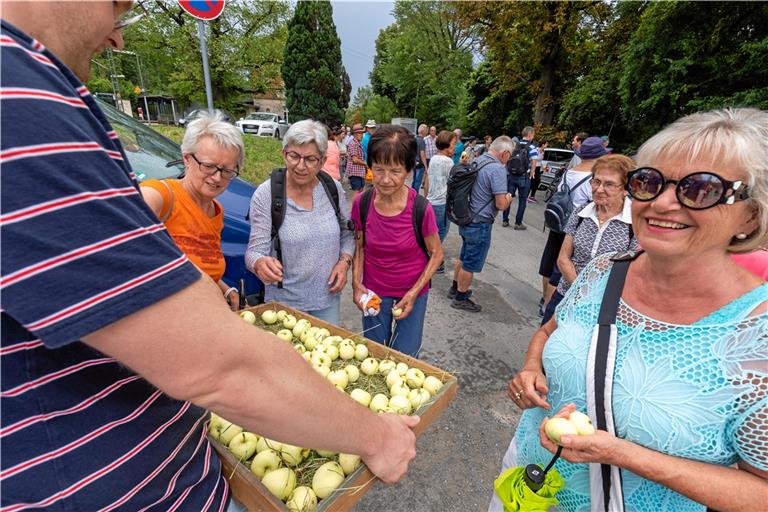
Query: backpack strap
[
  {"x": 580, "y": 183},
  {"x": 277, "y": 185},
  {"x": 417, "y": 218},
  {"x": 165, "y": 216},
  {"x": 332, "y": 192}
]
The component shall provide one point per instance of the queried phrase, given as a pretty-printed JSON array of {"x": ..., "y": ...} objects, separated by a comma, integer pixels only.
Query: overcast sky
[{"x": 358, "y": 24}]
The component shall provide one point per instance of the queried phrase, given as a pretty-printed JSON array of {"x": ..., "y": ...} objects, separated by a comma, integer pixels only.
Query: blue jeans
[
  {"x": 418, "y": 177},
  {"x": 442, "y": 221},
  {"x": 356, "y": 183},
  {"x": 521, "y": 184},
  {"x": 406, "y": 336},
  {"x": 331, "y": 313},
  {"x": 475, "y": 242}
]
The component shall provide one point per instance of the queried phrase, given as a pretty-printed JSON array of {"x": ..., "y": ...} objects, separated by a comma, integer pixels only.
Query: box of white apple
[{"x": 266, "y": 475}]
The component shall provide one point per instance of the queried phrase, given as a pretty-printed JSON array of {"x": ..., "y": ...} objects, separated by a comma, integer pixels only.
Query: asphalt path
[{"x": 460, "y": 454}]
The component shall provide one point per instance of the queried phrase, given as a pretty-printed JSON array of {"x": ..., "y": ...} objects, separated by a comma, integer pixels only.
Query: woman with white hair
[
  {"x": 213, "y": 154},
  {"x": 304, "y": 263},
  {"x": 676, "y": 381}
]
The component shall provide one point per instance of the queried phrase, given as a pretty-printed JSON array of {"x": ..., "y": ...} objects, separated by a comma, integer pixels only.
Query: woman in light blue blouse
[
  {"x": 690, "y": 381},
  {"x": 316, "y": 247}
]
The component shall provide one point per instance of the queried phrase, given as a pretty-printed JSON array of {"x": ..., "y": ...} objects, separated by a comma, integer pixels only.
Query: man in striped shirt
[
  {"x": 356, "y": 165},
  {"x": 113, "y": 344}
]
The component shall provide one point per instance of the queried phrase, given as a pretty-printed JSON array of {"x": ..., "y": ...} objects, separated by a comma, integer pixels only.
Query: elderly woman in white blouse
[{"x": 315, "y": 246}]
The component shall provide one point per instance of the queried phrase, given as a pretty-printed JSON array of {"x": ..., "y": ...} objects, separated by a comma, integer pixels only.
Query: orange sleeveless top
[{"x": 196, "y": 234}]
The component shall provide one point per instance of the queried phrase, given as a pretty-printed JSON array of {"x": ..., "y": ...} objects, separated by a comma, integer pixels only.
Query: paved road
[{"x": 459, "y": 456}]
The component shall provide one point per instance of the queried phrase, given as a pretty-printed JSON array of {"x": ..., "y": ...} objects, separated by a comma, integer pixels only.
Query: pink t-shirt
[
  {"x": 332, "y": 160},
  {"x": 756, "y": 262},
  {"x": 393, "y": 259}
]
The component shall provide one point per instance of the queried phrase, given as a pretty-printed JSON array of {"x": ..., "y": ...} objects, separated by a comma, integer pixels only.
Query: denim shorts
[
  {"x": 476, "y": 240},
  {"x": 356, "y": 182}
]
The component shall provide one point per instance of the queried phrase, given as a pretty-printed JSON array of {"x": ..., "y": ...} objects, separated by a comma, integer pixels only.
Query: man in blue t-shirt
[
  {"x": 370, "y": 127},
  {"x": 459, "y": 149},
  {"x": 114, "y": 346},
  {"x": 489, "y": 196},
  {"x": 519, "y": 179}
]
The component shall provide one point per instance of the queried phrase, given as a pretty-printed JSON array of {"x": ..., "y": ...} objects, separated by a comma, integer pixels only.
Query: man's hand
[{"x": 396, "y": 449}]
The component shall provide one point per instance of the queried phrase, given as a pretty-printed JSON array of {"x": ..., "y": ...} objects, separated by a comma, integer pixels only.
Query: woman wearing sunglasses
[
  {"x": 315, "y": 251},
  {"x": 213, "y": 153},
  {"x": 690, "y": 366}
]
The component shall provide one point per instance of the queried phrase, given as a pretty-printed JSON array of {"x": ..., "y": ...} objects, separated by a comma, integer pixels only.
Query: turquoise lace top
[{"x": 696, "y": 391}]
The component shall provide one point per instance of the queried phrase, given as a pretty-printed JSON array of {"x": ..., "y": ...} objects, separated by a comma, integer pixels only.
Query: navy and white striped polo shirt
[{"x": 80, "y": 250}]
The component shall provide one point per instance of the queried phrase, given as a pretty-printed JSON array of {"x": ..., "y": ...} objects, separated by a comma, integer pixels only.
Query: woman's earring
[{"x": 741, "y": 236}]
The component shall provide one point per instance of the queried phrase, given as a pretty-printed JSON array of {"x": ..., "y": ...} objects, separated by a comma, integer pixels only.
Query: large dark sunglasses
[{"x": 696, "y": 191}]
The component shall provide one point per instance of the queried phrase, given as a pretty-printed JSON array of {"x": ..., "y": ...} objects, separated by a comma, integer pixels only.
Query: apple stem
[{"x": 554, "y": 459}]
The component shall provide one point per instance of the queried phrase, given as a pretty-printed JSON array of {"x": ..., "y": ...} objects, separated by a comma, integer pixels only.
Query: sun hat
[
  {"x": 358, "y": 128},
  {"x": 370, "y": 124},
  {"x": 592, "y": 148}
]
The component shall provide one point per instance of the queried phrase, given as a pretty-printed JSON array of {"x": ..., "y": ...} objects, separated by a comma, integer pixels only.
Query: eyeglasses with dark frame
[
  {"x": 211, "y": 169},
  {"x": 294, "y": 158},
  {"x": 695, "y": 191}
]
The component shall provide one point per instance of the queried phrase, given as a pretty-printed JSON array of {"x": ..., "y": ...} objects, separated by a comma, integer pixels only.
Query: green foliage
[
  {"x": 262, "y": 154},
  {"x": 367, "y": 105},
  {"x": 316, "y": 83}
]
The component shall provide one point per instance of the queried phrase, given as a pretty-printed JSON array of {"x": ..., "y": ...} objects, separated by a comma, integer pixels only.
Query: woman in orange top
[{"x": 213, "y": 153}]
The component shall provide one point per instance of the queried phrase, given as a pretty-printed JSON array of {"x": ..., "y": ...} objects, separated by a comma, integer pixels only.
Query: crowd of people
[{"x": 119, "y": 369}]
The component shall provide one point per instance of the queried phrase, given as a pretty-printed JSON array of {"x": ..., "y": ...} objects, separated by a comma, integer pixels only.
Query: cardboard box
[{"x": 247, "y": 488}]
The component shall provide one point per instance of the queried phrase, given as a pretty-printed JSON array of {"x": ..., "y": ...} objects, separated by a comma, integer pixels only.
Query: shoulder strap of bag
[
  {"x": 417, "y": 218},
  {"x": 169, "y": 211},
  {"x": 580, "y": 183},
  {"x": 277, "y": 185},
  {"x": 605, "y": 480},
  {"x": 365, "y": 204},
  {"x": 331, "y": 191}
]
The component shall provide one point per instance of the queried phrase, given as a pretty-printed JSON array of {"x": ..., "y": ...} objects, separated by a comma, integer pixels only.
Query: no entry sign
[{"x": 205, "y": 10}]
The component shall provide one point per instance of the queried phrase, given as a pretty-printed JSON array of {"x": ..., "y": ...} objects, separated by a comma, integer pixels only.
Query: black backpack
[
  {"x": 277, "y": 184},
  {"x": 560, "y": 206},
  {"x": 417, "y": 219},
  {"x": 458, "y": 198},
  {"x": 519, "y": 163}
]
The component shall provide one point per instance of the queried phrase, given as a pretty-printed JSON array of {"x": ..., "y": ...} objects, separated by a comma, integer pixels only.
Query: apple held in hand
[
  {"x": 327, "y": 478},
  {"x": 397, "y": 312},
  {"x": 582, "y": 423},
  {"x": 264, "y": 462},
  {"x": 302, "y": 499},
  {"x": 280, "y": 482},
  {"x": 269, "y": 316},
  {"x": 556, "y": 427},
  {"x": 248, "y": 316},
  {"x": 243, "y": 445},
  {"x": 348, "y": 462}
]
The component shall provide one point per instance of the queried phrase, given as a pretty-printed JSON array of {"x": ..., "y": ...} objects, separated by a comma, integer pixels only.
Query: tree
[
  {"x": 367, "y": 105},
  {"x": 316, "y": 83}
]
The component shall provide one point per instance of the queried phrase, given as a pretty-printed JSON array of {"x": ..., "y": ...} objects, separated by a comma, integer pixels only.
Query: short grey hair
[
  {"x": 458, "y": 132},
  {"x": 735, "y": 137},
  {"x": 422, "y": 129},
  {"x": 501, "y": 144},
  {"x": 212, "y": 123},
  {"x": 527, "y": 131},
  {"x": 307, "y": 132}
]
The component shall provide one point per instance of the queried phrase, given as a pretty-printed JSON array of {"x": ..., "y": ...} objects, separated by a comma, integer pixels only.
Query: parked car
[
  {"x": 194, "y": 113},
  {"x": 553, "y": 161},
  {"x": 153, "y": 156},
  {"x": 265, "y": 124}
]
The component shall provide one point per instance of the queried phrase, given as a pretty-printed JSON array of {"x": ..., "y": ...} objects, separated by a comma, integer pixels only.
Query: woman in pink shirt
[
  {"x": 332, "y": 157},
  {"x": 389, "y": 260}
]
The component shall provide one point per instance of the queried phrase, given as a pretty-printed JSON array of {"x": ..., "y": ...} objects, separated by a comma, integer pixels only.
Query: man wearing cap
[
  {"x": 107, "y": 383},
  {"x": 370, "y": 127},
  {"x": 356, "y": 166}
]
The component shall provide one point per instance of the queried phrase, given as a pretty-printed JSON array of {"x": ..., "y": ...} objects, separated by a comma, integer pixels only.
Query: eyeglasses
[
  {"x": 294, "y": 158},
  {"x": 696, "y": 191},
  {"x": 211, "y": 169},
  {"x": 127, "y": 20},
  {"x": 608, "y": 186}
]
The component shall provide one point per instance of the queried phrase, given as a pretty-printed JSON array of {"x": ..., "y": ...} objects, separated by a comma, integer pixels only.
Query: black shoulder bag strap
[
  {"x": 417, "y": 218},
  {"x": 365, "y": 204},
  {"x": 277, "y": 185},
  {"x": 605, "y": 480},
  {"x": 333, "y": 194},
  {"x": 580, "y": 183}
]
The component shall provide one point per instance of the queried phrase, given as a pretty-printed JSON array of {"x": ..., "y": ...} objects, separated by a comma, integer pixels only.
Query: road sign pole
[{"x": 206, "y": 71}]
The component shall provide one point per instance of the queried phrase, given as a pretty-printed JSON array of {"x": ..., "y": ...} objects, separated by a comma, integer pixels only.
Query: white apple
[
  {"x": 361, "y": 351},
  {"x": 399, "y": 389},
  {"x": 556, "y": 427},
  {"x": 379, "y": 402},
  {"x": 414, "y": 378},
  {"x": 320, "y": 358},
  {"x": 311, "y": 342},
  {"x": 432, "y": 384},
  {"x": 397, "y": 312},
  {"x": 306, "y": 355},
  {"x": 269, "y": 316},
  {"x": 323, "y": 332},
  {"x": 281, "y": 315},
  {"x": 386, "y": 366},
  {"x": 393, "y": 378},
  {"x": 285, "y": 335},
  {"x": 401, "y": 368},
  {"x": 289, "y": 322},
  {"x": 369, "y": 366},
  {"x": 321, "y": 369},
  {"x": 346, "y": 342},
  {"x": 300, "y": 327},
  {"x": 326, "y": 453},
  {"x": 327, "y": 478},
  {"x": 280, "y": 482},
  {"x": 400, "y": 404},
  {"x": 302, "y": 499},
  {"x": 333, "y": 352},
  {"x": 338, "y": 378},
  {"x": 346, "y": 352},
  {"x": 418, "y": 397},
  {"x": 352, "y": 372},
  {"x": 298, "y": 347},
  {"x": 264, "y": 444},
  {"x": 248, "y": 316},
  {"x": 243, "y": 445},
  {"x": 265, "y": 461},
  {"x": 582, "y": 423},
  {"x": 348, "y": 462},
  {"x": 225, "y": 431},
  {"x": 292, "y": 455},
  {"x": 361, "y": 396}
]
